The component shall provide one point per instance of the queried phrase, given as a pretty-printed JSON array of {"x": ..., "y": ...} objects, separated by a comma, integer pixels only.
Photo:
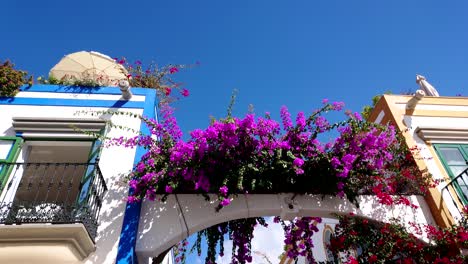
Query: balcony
[
  {"x": 50, "y": 206},
  {"x": 460, "y": 185}
]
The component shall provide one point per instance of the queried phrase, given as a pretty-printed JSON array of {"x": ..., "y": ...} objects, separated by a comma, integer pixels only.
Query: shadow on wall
[
  {"x": 110, "y": 223},
  {"x": 162, "y": 225}
]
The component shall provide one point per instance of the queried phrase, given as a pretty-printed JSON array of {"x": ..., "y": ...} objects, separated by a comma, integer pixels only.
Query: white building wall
[{"x": 114, "y": 161}]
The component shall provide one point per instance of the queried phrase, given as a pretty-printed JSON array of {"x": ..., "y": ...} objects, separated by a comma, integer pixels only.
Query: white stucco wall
[
  {"x": 114, "y": 162},
  {"x": 162, "y": 225}
]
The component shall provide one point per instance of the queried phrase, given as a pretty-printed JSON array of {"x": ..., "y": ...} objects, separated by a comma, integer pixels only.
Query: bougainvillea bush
[
  {"x": 256, "y": 154},
  {"x": 391, "y": 243},
  {"x": 155, "y": 77},
  {"x": 11, "y": 79}
]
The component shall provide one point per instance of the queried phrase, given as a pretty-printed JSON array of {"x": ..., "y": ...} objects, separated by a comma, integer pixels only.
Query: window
[
  {"x": 8, "y": 152},
  {"x": 54, "y": 177},
  {"x": 327, "y": 235},
  {"x": 454, "y": 157},
  {"x": 52, "y": 172}
]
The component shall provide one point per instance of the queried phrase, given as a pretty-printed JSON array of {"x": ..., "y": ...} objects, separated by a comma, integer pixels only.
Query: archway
[{"x": 164, "y": 224}]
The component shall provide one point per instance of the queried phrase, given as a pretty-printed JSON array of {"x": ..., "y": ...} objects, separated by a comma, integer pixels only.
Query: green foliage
[
  {"x": 11, "y": 79},
  {"x": 367, "y": 109},
  {"x": 70, "y": 81}
]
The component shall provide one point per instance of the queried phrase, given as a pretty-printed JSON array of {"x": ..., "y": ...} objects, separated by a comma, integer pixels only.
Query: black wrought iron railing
[
  {"x": 57, "y": 193},
  {"x": 460, "y": 186}
]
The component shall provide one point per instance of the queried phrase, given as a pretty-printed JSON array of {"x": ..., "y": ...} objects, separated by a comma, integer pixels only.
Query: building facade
[
  {"x": 436, "y": 128},
  {"x": 62, "y": 195},
  {"x": 62, "y": 198}
]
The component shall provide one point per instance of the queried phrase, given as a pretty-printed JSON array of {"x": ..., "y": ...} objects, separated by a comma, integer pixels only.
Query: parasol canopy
[{"x": 89, "y": 66}]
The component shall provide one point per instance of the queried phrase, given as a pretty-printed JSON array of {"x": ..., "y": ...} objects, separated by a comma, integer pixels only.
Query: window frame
[
  {"x": 463, "y": 148},
  {"x": 11, "y": 157},
  {"x": 328, "y": 228}
]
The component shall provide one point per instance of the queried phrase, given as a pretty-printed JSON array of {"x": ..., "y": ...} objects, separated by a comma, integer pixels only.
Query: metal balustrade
[
  {"x": 460, "y": 185},
  {"x": 57, "y": 193}
]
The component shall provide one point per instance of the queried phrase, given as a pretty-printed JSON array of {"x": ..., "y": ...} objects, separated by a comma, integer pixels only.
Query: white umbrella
[
  {"x": 89, "y": 65},
  {"x": 426, "y": 86}
]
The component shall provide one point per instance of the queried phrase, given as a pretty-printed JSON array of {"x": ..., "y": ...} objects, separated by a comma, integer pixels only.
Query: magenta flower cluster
[
  {"x": 257, "y": 154},
  {"x": 260, "y": 155},
  {"x": 298, "y": 237}
]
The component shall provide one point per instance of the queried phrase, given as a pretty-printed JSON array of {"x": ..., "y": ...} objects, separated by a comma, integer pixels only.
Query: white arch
[{"x": 162, "y": 225}]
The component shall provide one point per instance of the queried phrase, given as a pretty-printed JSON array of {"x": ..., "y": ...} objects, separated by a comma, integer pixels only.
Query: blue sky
[{"x": 275, "y": 53}]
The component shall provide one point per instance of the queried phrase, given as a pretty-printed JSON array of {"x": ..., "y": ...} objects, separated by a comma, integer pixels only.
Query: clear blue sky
[{"x": 274, "y": 52}]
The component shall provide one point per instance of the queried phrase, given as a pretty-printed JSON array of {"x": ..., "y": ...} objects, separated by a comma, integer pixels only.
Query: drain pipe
[
  {"x": 124, "y": 86},
  {"x": 416, "y": 98}
]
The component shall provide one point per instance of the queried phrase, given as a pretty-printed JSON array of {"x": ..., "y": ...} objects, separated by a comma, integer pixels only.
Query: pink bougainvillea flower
[
  {"x": 169, "y": 189},
  {"x": 167, "y": 91},
  {"x": 173, "y": 70},
  {"x": 185, "y": 92},
  {"x": 138, "y": 62},
  {"x": 223, "y": 190},
  {"x": 298, "y": 162},
  {"x": 337, "y": 106},
  {"x": 132, "y": 199},
  {"x": 225, "y": 202}
]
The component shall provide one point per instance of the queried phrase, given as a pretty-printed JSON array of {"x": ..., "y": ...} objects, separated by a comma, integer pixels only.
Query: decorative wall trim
[
  {"x": 442, "y": 133},
  {"x": 126, "y": 253},
  {"x": 40, "y": 127},
  {"x": 71, "y": 102}
]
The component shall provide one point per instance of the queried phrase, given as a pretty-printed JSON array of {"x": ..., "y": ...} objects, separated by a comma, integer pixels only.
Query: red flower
[
  {"x": 463, "y": 236},
  {"x": 185, "y": 92},
  {"x": 407, "y": 261},
  {"x": 372, "y": 259},
  {"x": 168, "y": 91},
  {"x": 352, "y": 260},
  {"x": 173, "y": 70}
]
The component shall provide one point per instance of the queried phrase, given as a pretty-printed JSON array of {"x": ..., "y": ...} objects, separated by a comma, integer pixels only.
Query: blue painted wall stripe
[
  {"x": 126, "y": 251},
  {"x": 71, "y": 102},
  {"x": 77, "y": 89}
]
